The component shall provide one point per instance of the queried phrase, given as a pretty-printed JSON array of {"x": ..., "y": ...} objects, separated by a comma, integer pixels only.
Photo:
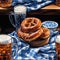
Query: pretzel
[
  {"x": 39, "y": 43},
  {"x": 46, "y": 33},
  {"x": 29, "y": 36},
  {"x": 30, "y": 24},
  {"x": 32, "y": 32}
]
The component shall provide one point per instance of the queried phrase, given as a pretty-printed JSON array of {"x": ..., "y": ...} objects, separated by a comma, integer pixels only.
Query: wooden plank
[
  {"x": 51, "y": 7},
  {"x": 48, "y": 10},
  {"x": 5, "y": 11}
]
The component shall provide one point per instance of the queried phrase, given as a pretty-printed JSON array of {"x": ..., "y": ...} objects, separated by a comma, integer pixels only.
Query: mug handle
[{"x": 11, "y": 19}]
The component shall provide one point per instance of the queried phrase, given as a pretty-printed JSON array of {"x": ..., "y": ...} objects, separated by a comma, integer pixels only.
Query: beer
[
  {"x": 58, "y": 46},
  {"x": 20, "y": 9},
  {"x": 17, "y": 16},
  {"x": 5, "y": 47},
  {"x": 5, "y": 3},
  {"x": 58, "y": 2}
]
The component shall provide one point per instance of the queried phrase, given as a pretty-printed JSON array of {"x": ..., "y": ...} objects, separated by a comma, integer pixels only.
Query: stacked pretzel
[{"x": 32, "y": 32}]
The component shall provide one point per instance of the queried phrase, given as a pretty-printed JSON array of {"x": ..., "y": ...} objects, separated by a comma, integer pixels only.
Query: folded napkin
[
  {"x": 22, "y": 51},
  {"x": 32, "y": 4}
]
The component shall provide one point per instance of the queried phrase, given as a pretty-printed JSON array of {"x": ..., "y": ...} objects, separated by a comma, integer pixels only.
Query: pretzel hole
[
  {"x": 26, "y": 25},
  {"x": 29, "y": 21},
  {"x": 35, "y": 21},
  {"x": 32, "y": 24}
]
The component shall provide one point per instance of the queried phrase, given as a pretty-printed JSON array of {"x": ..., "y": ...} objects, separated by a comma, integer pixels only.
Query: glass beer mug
[
  {"x": 58, "y": 47},
  {"x": 57, "y": 3},
  {"x": 17, "y": 15},
  {"x": 5, "y": 47},
  {"x": 5, "y": 3}
]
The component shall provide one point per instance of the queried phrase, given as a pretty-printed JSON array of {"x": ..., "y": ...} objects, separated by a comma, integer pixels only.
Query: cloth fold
[
  {"x": 22, "y": 50},
  {"x": 32, "y": 4}
]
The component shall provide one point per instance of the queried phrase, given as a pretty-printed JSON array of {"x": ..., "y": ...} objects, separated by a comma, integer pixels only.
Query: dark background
[{"x": 6, "y": 27}]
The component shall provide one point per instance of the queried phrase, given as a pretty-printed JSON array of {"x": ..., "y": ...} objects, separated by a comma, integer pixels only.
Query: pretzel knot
[
  {"x": 30, "y": 29},
  {"x": 30, "y": 24}
]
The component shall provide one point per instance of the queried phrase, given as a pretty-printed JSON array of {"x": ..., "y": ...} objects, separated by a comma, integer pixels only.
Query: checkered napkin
[
  {"x": 22, "y": 51},
  {"x": 32, "y": 4}
]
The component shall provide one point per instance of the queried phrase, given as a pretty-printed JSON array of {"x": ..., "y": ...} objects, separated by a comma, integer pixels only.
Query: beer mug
[
  {"x": 52, "y": 26},
  {"x": 5, "y": 3},
  {"x": 5, "y": 47},
  {"x": 58, "y": 46},
  {"x": 57, "y": 2},
  {"x": 17, "y": 16}
]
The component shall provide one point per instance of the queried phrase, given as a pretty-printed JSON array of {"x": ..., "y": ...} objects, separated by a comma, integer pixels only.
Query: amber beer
[
  {"x": 5, "y": 3},
  {"x": 58, "y": 2},
  {"x": 5, "y": 47},
  {"x": 58, "y": 46}
]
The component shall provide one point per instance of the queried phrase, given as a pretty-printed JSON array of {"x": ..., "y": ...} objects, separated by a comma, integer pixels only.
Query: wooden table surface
[
  {"x": 5, "y": 11},
  {"x": 50, "y": 8}
]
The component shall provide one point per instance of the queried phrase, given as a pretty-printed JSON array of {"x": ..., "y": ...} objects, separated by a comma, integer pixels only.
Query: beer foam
[
  {"x": 58, "y": 39},
  {"x": 20, "y": 9},
  {"x": 5, "y": 39}
]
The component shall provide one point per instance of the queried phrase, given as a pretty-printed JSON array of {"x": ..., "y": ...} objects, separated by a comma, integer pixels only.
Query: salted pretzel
[
  {"x": 30, "y": 24},
  {"x": 29, "y": 36}
]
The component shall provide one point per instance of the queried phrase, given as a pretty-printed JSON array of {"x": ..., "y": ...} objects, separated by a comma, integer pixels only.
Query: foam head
[
  {"x": 58, "y": 39},
  {"x": 5, "y": 39},
  {"x": 20, "y": 9}
]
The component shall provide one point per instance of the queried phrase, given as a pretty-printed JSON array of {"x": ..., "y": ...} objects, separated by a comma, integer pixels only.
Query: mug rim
[
  {"x": 5, "y": 40},
  {"x": 25, "y": 8},
  {"x": 19, "y": 5},
  {"x": 44, "y": 23}
]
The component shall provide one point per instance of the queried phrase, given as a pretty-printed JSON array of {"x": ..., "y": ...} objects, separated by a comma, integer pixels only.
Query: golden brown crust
[
  {"x": 30, "y": 24},
  {"x": 32, "y": 32},
  {"x": 29, "y": 37},
  {"x": 45, "y": 34}
]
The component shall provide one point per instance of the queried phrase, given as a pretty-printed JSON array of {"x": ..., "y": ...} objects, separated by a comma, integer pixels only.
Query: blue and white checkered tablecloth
[
  {"x": 22, "y": 51},
  {"x": 32, "y": 4}
]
